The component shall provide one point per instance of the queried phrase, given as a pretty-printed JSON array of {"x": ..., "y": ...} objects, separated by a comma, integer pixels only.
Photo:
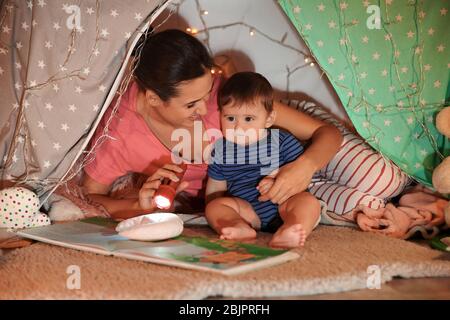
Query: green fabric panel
[{"x": 392, "y": 80}]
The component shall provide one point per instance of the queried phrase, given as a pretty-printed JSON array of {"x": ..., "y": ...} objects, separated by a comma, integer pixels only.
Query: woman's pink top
[{"x": 132, "y": 146}]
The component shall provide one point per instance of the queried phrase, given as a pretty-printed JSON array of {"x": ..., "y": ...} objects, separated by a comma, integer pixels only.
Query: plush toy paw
[
  {"x": 441, "y": 174},
  {"x": 19, "y": 208},
  {"x": 447, "y": 214},
  {"x": 441, "y": 177},
  {"x": 443, "y": 122}
]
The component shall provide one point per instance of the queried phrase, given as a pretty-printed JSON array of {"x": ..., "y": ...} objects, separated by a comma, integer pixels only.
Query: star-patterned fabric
[
  {"x": 389, "y": 63},
  {"x": 58, "y": 62}
]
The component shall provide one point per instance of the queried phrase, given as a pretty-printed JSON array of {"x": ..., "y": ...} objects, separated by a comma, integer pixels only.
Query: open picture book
[{"x": 98, "y": 235}]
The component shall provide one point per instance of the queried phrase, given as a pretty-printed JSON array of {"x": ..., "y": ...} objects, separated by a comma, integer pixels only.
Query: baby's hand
[{"x": 265, "y": 184}]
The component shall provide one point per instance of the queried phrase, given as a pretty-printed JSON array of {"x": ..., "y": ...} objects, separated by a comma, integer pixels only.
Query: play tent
[{"x": 61, "y": 64}]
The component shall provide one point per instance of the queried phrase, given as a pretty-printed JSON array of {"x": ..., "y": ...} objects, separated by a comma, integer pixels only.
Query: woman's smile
[{"x": 195, "y": 117}]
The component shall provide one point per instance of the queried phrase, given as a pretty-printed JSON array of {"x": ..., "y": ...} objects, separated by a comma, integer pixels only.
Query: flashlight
[{"x": 166, "y": 192}]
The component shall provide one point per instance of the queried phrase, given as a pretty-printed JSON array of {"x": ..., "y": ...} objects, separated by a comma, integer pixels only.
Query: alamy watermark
[
  {"x": 74, "y": 20},
  {"x": 239, "y": 146},
  {"x": 73, "y": 281},
  {"x": 373, "y": 277},
  {"x": 374, "y": 20}
]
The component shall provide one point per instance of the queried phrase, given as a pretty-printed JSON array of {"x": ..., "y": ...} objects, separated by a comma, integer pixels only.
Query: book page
[
  {"x": 94, "y": 233},
  {"x": 207, "y": 253},
  {"x": 193, "y": 219},
  {"x": 98, "y": 235}
]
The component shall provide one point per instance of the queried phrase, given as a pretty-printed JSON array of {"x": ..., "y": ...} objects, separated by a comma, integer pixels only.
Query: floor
[
  {"x": 403, "y": 289},
  {"x": 398, "y": 288}
]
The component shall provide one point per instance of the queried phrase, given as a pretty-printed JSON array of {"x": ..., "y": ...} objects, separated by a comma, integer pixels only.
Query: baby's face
[{"x": 245, "y": 124}]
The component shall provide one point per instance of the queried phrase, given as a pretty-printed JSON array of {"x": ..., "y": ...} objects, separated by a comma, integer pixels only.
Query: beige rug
[{"x": 334, "y": 259}]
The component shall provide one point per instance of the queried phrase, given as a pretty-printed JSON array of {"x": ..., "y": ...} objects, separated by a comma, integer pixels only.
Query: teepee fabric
[
  {"x": 60, "y": 63},
  {"x": 389, "y": 63}
]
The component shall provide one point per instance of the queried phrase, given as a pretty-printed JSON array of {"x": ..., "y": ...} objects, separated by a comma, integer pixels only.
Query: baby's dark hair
[{"x": 246, "y": 87}]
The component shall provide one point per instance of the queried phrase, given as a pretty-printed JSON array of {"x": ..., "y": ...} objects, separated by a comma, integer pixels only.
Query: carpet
[{"x": 334, "y": 259}]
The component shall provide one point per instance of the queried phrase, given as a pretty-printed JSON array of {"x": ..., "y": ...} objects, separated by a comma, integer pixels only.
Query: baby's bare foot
[
  {"x": 239, "y": 231},
  {"x": 289, "y": 237}
]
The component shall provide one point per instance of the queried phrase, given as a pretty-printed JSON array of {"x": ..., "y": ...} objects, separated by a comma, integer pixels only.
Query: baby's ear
[{"x": 271, "y": 119}]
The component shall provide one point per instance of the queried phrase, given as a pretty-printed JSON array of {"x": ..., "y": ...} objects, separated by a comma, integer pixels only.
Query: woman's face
[{"x": 191, "y": 102}]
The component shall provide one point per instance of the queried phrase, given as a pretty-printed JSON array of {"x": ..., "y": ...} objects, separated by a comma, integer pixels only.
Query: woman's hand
[
  {"x": 291, "y": 179},
  {"x": 152, "y": 184}
]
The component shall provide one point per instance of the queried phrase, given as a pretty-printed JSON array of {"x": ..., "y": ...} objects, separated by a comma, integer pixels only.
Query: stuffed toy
[
  {"x": 441, "y": 174},
  {"x": 19, "y": 208}
]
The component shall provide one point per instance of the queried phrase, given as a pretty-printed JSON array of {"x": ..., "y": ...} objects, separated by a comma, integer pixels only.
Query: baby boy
[{"x": 239, "y": 173}]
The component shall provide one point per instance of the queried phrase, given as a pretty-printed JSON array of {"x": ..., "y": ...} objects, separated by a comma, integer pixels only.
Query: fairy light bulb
[
  {"x": 312, "y": 64},
  {"x": 204, "y": 12},
  {"x": 307, "y": 60},
  {"x": 192, "y": 30},
  {"x": 252, "y": 32}
]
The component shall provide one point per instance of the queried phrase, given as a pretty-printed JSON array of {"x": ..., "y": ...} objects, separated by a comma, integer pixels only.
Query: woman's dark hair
[
  {"x": 246, "y": 87},
  {"x": 168, "y": 58}
]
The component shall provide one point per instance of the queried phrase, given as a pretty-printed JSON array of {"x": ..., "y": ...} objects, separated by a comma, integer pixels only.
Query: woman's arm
[
  {"x": 142, "y": 204},
  {"x": 325, "y": 143},
  {"x": 325, "y": 138},
  {"x": 117, "y": 208}
]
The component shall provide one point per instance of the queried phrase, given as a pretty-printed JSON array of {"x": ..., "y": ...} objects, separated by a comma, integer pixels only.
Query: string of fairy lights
[
  {"x": 205, "y": 31},
  {"x": 63, "y": 73},
  {"x": 89, "y": 154},
  {"x": 414, "y": 98},
  {"x": 28, "y": 87}
]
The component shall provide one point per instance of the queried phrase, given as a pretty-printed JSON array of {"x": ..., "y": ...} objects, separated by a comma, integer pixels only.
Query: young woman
[{"x": 175, "y": 95}]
